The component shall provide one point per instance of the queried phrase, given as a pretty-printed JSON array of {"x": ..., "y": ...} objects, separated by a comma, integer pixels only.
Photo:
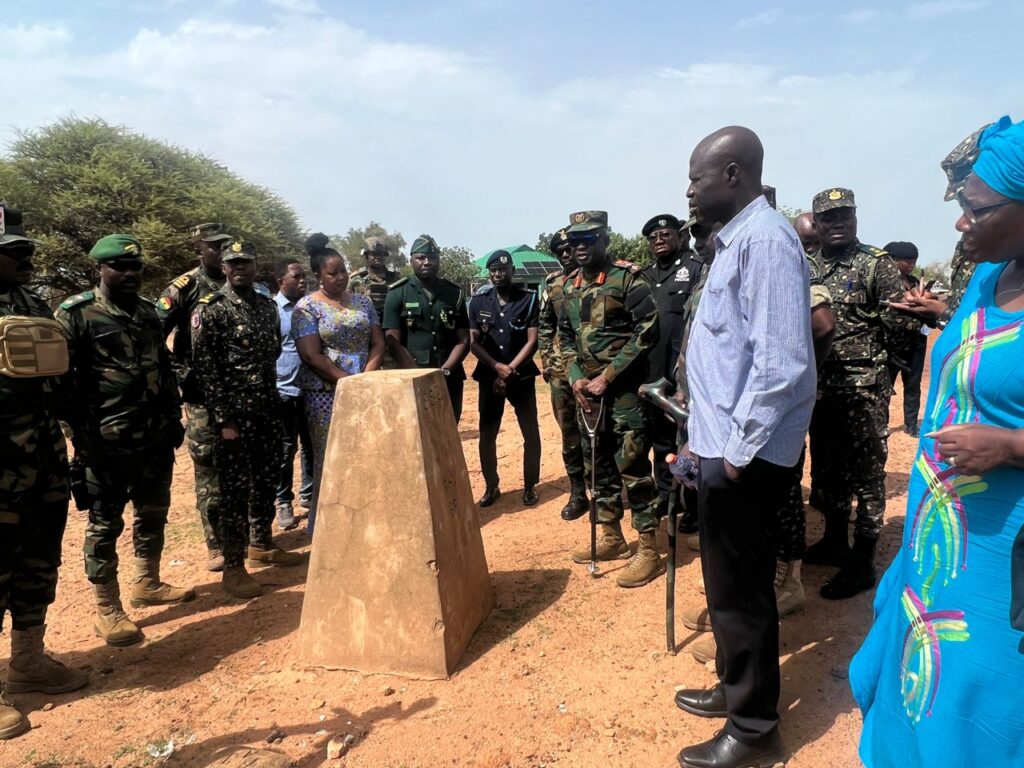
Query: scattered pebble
[
  {"x": 336, "y": 748},
  {"x": 48, "y": 706},
  {"x": 389, "y": 691},
  {"x": 275, "y": 736},
  {"x": 319, "y": 704}
]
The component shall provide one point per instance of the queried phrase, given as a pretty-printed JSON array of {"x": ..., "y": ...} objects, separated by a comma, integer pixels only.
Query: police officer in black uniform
[
  {"x": 425, "y": 321},
  {"x": 672, "y": 275},
  {"x": 503, "y": 333}
]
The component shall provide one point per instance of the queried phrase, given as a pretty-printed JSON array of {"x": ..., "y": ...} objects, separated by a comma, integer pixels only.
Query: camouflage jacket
[
  {"x": 867, "y": 332},
  {"x": 175, "y": 308},
  {"x": 376, "y": 287},
  {"x": 607, "y": 325},
  {"x": 552, "y": 301},
  {"x": 235, "y": 345},
  {"x": 26, "y": 404},
  {"x": 962, "y": 271},
  {"x": 125, "y": 395}
]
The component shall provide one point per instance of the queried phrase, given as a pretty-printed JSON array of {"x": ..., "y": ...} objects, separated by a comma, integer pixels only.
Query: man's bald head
[
  {"x": 725, "y": 173},
  {"x": 807, "y": 232}
]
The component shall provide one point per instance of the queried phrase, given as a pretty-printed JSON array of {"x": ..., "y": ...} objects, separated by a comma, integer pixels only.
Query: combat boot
[
  {"x": 259, "y": 557},
  {"x": 147, "y": 589},
  {"x": 693, "y": 543},
  {"x": 789, "y": 591},
  {"x": 32, "y": 670},
  {"x": 611, "y": 545},
  {"x": 12, "y": 722},
  {"x": 697, "y": 618},
  {"x": 578, "y": 505},
  {"x": 645, "y": 564},
  {"x": 238, "y": 583},
  {"x": 704, "y": 648},
  {"x": 215, "y": 564},
  {"x": 834, "y": 545},
  {"x": 857, "y": 574},
  {"x": 112, "y": 623}
]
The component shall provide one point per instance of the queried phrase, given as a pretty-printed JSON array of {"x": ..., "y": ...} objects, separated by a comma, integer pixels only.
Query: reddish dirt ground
[{"x": 567, "y": 670}]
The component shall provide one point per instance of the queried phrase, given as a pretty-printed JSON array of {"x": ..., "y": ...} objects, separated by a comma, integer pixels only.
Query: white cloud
[
  {"x": 35, "y": 38},
  {"x": 940, "y": 8},
  {"x": 860, "y": 16},
  {"x": 763, "y": 19},
  {"x": 296, "y": 6}
]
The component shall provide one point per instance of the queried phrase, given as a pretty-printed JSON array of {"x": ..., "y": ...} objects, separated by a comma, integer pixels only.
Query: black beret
[
  {"x": 499, "y": 258},
  {"x": 901, "y": 251},
  {"x": 661, "y": 221}
]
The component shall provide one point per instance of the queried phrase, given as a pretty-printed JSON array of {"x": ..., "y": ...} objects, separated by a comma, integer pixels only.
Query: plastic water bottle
[{"x": 683, "y": 468}]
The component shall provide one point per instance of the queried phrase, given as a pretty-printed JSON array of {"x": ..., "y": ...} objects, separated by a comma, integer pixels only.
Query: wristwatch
[{"x": 446, "y": 371}]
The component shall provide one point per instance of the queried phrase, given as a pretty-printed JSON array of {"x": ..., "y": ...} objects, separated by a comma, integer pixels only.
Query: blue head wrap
[{"x": 1000, "y": 163}]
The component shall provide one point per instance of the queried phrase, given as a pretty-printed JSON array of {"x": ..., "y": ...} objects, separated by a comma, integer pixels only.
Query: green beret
[
  {"x": 116, "y": 247},
  {"x": 424, "y": 244}
]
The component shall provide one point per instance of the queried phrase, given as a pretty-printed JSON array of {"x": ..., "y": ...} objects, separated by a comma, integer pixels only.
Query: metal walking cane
[
  {"x": 656, "y": 394},
  {"x": 591, "y": 425}
]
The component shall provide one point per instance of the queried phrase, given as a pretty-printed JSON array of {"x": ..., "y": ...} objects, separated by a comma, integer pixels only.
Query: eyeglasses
[
  {"x": 973, "y": 214},
  {"x": 660, "y": 234},
  {"x": 583, "y": 238},
  {"x": 125, "y": 265}
]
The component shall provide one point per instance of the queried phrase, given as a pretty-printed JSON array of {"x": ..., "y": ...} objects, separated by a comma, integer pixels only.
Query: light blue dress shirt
[{"x": 288, "y": 362}]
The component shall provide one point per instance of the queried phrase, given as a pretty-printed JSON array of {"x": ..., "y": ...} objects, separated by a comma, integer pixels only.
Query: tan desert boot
[
  {"x": 611, "y": 545},
  {"x": 704, "y": 648},
  {"x": 238, "y": 583},
  {"x": 645, "y": 564},
  {"x": 112, "y": 623},
  {"x": 789, "y": 592},
  {"x": 32, "y": 670},
  {"x": 12, "y": 722},
  {"x": 260, "y": 558},
  {"x": 147, "y": 589},
  {"x": 696, "y": 617}
]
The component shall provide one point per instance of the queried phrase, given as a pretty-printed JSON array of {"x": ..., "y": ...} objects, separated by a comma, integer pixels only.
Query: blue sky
[{"x": 485, "y": 123}]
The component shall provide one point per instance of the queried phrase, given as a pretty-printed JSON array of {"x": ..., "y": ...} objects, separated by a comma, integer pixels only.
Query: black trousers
[
  {"x": 737, "y": 548},
  {"x": 296, "y": 436},
  {"x": 911, "y": 380},
  {"x": 455, "y": 387},
  {"x": 522, "y": 394}
]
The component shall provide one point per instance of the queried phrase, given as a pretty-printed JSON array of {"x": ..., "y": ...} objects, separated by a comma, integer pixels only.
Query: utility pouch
[{"x": 32, "y": 347}]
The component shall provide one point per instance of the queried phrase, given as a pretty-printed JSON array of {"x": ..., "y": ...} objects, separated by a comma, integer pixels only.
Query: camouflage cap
[
  {"x": 239, "y": 251},
  {"x": 114, "y": 247},
  {"x": 836, "y": 197},
  {"x": 559, "y": 241},
  {"x": 587, "y": 221},
  {"x": 11, "y": 229},
  {"x": 211, "y": 232},
  {"x": 958, "y": 163},
  {"x": 375, "y": 245},
  {"x": 424, "y": 244},
  {"x": 661, "y": 221}
]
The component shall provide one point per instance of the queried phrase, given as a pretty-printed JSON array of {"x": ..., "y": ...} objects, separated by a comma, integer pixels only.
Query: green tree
[
  {"x": 939, "y": 272},
  {"x": 632, "y": 249},
  {"x": 457, "y": 265},
  {"x": 352, "y": 242},
  {"x": 790, "y": 213},
  {"x": 78, "y": 180}
]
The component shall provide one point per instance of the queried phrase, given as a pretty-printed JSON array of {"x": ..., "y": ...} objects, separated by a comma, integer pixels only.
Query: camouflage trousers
[
  {"x": 248, "y": 467},
  {"x": 33, "y": 513},
  {"x": 563, "y": 404},
  {"x": 849, "y": 447},
  {"x": 791, "y": 530},
  {"x": 144, "y": 479},
  {"x": 199, "y": 432},
  {"x": 623, "y": 445}
]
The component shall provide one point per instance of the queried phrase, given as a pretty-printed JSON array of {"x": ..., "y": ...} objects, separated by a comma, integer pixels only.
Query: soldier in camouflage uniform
[
  {"x": 563, "y": 402},
  {"x": 608, "y": 323},
  {"x": 34, "y": 472},
  {"x": 126, "y": 422},
  {"x": 373, "y": 279},
  {"x": 236, "y": 339},
  {"x": 175, "y": 308},
  {"x": 850, "y": 425},
  {"x": 426, "y": 324}
]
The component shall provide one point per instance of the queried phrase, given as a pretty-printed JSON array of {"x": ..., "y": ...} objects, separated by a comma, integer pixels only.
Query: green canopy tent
[{"x": 531, "y": 267}]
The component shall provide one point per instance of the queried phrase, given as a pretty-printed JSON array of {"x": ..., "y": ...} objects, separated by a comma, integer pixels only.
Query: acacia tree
[
  {"x": 78, "y": 180},
  {"x": 633, "y": 249},
  {"x": 457, "y": 265}
]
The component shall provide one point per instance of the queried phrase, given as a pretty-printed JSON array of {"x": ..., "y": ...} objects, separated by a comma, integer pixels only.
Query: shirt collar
[
  {"x": 729, "y": 232},
  {"x": 283, "y": 301}
]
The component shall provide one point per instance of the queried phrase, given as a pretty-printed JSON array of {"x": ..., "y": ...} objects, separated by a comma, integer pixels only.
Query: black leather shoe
[
  {"x": 490, "y": 496},
  {"x": 723, "y": 751},
  {"x": 688, "y": 523},
  {"x": 530, "y": 496},
  {"x": 709, "y": 703}
]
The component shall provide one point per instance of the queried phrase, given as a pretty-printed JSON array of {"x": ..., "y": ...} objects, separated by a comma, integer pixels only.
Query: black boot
[
  {"x": 578, "y": 505},
  {"x": 857, "y": 573},
  {"x": 834, "y": 546}
]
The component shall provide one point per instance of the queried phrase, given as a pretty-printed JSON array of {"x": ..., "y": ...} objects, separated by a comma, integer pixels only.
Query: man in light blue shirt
[
  {"x": 751, "y": 377},
  {"x": 291, "y": 279}
]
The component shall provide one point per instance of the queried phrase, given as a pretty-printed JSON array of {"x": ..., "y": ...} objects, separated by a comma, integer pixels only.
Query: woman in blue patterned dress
[
  {"x": 337, "y": 334},
  {"x": 940, "y": 675}
]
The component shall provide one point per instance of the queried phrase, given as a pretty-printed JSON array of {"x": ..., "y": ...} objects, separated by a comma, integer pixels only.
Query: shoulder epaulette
[
  {"x": 80, "y": 298},
  {"x": 212, "y": 297},
  {"x": 572, "y": 274},
  {"x": 181, "y": 281},
  {"x": 871, "y": 250},
  {"x": 399, "y": 282},
  {"x": 629, "y": 265}
]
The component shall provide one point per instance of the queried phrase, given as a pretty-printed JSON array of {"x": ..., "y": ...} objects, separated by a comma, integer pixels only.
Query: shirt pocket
[{"x": 713, "y": 309}]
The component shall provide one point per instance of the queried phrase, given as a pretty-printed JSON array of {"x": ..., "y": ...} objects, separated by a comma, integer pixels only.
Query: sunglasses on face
[
  {"x": 971, "y": 213},
  {"x": 125, "y": 265},
  {"x": 583, "y": 239},
  {"x": 659, "y": 235}
]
